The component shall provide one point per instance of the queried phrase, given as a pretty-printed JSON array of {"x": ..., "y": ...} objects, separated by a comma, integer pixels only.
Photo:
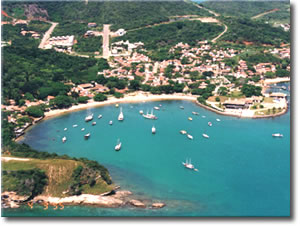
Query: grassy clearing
[{"x": 59, "y": 174}]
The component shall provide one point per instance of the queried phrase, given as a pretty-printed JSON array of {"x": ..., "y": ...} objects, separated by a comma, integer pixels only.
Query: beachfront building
[{"x": 235, "y": 104}]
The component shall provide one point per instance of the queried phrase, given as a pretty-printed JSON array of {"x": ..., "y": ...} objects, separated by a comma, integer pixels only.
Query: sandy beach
[{"x": 129, "y": 98}]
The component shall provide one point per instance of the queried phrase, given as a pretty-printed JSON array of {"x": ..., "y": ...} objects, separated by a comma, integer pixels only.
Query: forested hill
[
  {"x": 245, "y": 8},
  {"x": 121, "y": 14}
]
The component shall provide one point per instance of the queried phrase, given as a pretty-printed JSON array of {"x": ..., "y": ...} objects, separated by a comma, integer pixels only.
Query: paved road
[
  {"x": 47, "y": 35},
  {"x": 105, "y": 44}
]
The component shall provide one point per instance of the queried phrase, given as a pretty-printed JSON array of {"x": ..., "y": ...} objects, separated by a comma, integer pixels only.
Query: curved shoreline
[{"x": 144, "y": 97}]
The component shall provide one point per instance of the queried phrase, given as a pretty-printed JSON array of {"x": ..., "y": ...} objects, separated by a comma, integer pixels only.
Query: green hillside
[
  {"x": 61, "y": 177},
  {"x": 244, "y": 8},
  {"x": 158, "y": 39}
]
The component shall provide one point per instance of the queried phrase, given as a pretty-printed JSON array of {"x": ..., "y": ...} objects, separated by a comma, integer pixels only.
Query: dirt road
[
  {"x": 47, "y": 35},
  {"x": 222, "y": 33},
  {"x": 105, "y": 44}
]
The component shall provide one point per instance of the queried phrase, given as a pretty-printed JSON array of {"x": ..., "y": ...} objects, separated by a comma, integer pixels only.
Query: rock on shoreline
[{"x": 109, "y": 200}]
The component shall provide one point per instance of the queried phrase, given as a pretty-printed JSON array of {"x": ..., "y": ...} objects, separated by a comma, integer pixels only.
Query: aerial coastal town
[
  {"x": 225, "y": 61},
  {"x": 197, "y": 69}
]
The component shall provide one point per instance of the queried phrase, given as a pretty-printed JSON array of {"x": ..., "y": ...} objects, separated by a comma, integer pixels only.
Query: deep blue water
[{"x": 243, "y": 170}]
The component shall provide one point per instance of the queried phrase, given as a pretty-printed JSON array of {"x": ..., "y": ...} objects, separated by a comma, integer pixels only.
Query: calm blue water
[{"x": 243, "y": 171}]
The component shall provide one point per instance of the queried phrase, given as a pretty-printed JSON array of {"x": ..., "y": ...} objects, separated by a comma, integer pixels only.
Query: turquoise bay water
[{"x": 243, "y": 170}]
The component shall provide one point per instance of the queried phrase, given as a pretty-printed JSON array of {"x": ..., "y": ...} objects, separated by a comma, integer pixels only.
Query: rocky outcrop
[
  {"x": 11, "y": 200},
  {"x": 111, "y": 200},
  {"x": 158, "y": 205},
  {"x": 137, "y": 203}
]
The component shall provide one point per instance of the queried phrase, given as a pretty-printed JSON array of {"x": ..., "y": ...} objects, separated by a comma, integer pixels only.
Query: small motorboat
[
  {"x": 64, "y": 139},
  {"x": 110, "y": 122},
  {"x": 181, "y": 107},
  {"x": 190, "y": 119},
  {"x": 86, "y": 136},
  {"x": 156, "y": 108},
  {"x": 205, "y": 136},
  {"x": 82, "y": 129},
  {"x": 99, "y": 116},
  {"x": 189, "y": 136},
  {"x": 218, "y": 119},
  {"x": 65, "y": 129},
  {"x": 195, "y": 113},
  {"x": 74, "y": 126},
  {"x": 94, "y": 123},
  {"x": 141, "y": 111},
  {"x": 160, "y": 105},
  {"x": 209, "y": 124},
  {"x": 183, "y": 132},
  {"x": 117, "y": 105},
  {"x": 118, "y": 146},
  {"x": 153, "y": 130},
  {"x": 203, "y": 116},
  {"x": 277, "y": 135}
]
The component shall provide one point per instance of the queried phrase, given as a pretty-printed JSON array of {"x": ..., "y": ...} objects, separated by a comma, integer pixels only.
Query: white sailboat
[
  {"x": 153, "y": 130},
  {"x": 94, "y": 123},
  {"x": 209, "y": 124},
  {"x": 64, "y": 139},
  {"x": 74, "y": 126},
  {"x": 65, "y": 129},
  {"x": 121, "y": 115},
  {"x": 110, "y": 122},
  {"x": 205, "y": 135},
  {"x": 86, "y": 136},
  {"x": 141, "y": 111},
  {"x": 218, "y": 119},
  {"x": 118, "y": 146},
  {"x": 89, "y": 117},
  {"x": 188, "y": 164},
  {"x": 189, "y": 136},
  {"x": 82, "y": 129},
  {"x": 99, "y": 116},
  {"x": 277, "y": 135},
  {"x": 150, "y": 116},
  {"x": 183, "y": 132},
  {"x": 156, "y": 107}
]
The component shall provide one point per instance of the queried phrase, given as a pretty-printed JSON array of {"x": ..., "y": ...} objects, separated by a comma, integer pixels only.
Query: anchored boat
[
  {"x": 205, "y": 136},
  {"x": 118, "y": 146},
  {"x": 64, "y": 139},
  {"x": 150, "y": 116},
  {"x": 89, "y": 117},
  {"x": 153, "y": 130},
  {"x": 121, "y": 115},
  {"x": 277, "y": 135},
  {"x": 86, "y": 136}
]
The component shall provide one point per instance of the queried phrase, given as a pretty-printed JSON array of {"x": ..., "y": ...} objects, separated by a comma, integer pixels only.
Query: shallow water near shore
[{"x": 243, "y": 170}]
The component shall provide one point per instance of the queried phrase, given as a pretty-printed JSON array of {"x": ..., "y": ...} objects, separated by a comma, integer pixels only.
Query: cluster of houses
[
  {"x": 281, "y": 52},
  {"x": 33, "y": 34}
]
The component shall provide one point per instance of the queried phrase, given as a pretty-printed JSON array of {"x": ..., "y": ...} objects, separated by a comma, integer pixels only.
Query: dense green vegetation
[
  {"x": 159, "y": 39},
  {"x": 42, "y": 72},
  {"x": 88, "y": 44},
  {"x": 243, "y": 8},
  {"x": 250, "y": 90},
  {"x": 38, "y": 26},
  {"x": 127, "y": 15},
  {"x": 240, "y": 30},
  {"x": 24, "y": 182}
]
